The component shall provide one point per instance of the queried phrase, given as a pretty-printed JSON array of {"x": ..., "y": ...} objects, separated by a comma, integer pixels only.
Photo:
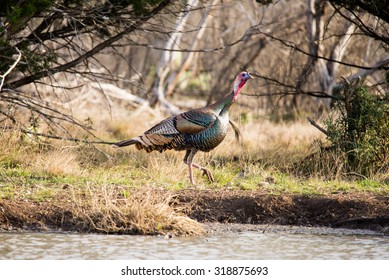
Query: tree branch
[
  {"x": 72, "y": 139},
  {"x": 294, "y": 46},
  {"x": 93, "y": 51},
  {"x": 312, "y": 122},
  {"x": 2, "y": 77}
]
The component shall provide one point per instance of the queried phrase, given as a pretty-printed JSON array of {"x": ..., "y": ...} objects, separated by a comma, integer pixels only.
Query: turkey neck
[{"x": 222, "y": 106}]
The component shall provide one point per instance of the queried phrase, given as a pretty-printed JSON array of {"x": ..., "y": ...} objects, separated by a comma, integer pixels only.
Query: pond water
[{"x": 274, "y": 243}]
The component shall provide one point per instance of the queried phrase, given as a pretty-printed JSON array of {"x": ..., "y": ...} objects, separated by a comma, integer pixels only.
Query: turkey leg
[{"x": 188, "y": 160}]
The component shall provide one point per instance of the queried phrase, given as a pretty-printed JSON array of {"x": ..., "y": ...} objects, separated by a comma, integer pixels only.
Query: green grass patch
[{"x": 42, "y": 185}]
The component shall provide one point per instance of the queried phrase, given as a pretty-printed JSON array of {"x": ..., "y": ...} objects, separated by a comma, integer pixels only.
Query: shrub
[{"x": 359, "y": 128}]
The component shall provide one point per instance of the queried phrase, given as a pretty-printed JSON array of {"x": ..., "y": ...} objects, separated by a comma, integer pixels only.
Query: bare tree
[
  {"x": 166, "y": 62},
  {"x": 357, "y": 10},
  {"x": 140, "y": 54},
  {"x": 55, "y": 43},
  {"x": 332, "y": 44},
  {"x": 326, "y": 70}
]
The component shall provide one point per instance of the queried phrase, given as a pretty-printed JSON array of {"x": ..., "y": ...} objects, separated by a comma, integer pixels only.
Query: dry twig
[{"x": 312, "y": 122}]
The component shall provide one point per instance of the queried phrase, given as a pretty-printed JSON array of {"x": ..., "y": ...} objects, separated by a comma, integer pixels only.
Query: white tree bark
[
  {"x": 165, "y": 63},
  {"x": 326, "y": 70},
  {"x": 174, "y": 76},
  {"x": 329, "y": 69},
  {"x": 12, "y": 67}
]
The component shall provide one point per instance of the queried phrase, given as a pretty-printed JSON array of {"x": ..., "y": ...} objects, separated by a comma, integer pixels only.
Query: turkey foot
[{"x": 205, "y": 172}]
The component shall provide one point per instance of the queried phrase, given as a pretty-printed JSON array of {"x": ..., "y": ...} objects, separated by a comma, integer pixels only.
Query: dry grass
[
  {"x": 57, "y": 162},
  {"x": 112, "y": 209},
  {"x": 128, "y": 191},
  {"x": 18, "y": 149},
  {"x": 262, "y": 139},
  {"x": 275, "y": 143},
  {"x": 44, "y": 174}
]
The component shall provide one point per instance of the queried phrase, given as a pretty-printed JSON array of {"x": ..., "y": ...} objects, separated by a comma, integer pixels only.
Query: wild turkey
[{"x": 196, "y": 130}]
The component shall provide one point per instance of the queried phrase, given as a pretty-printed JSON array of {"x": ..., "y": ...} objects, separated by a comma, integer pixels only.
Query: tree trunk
[{"x": 165, "y": 63}]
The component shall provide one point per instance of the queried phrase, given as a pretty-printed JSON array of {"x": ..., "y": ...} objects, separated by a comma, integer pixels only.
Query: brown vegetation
[
  {"x": 116, "y": 75},
  {"x": 100, "y": 211},
  {"x": 72, "y": 187},
  {"x": 155, "y": 212}
]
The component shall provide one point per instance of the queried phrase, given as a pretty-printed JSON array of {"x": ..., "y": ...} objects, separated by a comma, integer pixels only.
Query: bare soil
[
  {"x": 343, "y": 210},
  {"x": 357, "y": 211}
]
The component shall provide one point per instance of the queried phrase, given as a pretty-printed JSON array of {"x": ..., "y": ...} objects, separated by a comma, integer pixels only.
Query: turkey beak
[{"x": 250, "y": 77}]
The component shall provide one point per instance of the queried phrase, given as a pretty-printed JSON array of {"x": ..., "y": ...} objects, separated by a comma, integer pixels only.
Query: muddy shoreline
[
  {"x": 353, "y": 211},
  {"x": 236, "y": 207}
]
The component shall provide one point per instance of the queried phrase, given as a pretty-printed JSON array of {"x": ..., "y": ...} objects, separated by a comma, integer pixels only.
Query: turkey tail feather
[{"x": 126, "y": 143}]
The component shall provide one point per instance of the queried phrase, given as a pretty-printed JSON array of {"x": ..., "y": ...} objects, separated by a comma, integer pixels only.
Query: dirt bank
[
  {"x": 362, "y": 211},
  {"x": 357, "y": 210}
]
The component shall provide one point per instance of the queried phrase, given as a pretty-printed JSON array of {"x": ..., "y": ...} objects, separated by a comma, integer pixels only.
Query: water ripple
[{"x": 242, "y": 245}]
